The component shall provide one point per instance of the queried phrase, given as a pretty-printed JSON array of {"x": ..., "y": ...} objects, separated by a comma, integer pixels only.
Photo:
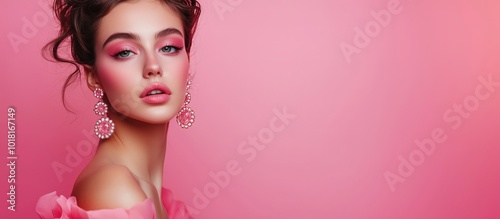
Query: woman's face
[{"x": 141, "y": 63}]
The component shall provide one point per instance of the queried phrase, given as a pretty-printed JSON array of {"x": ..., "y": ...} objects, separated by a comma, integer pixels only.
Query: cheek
[
  {"x": 176, "y": 71},
  {"x": 112, "y": 78},
  {"x": 182, "y": 69},
  {"x": 182, "y": 76},
  {"x": 176, "y": 78}
]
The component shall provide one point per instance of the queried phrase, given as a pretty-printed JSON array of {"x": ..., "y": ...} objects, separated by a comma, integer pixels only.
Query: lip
[{"x": 157, "y": 98}]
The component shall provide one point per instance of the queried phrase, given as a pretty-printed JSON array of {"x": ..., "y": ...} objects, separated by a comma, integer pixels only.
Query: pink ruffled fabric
[{"x": 51, "y": 206}]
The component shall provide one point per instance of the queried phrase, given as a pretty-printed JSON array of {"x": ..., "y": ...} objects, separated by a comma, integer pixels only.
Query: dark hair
[{"x": 78, "y": 23}]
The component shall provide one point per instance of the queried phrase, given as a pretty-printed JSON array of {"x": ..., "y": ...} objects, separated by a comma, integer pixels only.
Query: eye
[
  {"x": 170, "y": 49},
  {"x": 123, "y": 54}
]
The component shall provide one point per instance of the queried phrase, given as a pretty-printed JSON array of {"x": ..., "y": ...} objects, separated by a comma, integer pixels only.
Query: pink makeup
[
  {"x": 117, "y": 48},
  {"x": 171, "y": 41}
]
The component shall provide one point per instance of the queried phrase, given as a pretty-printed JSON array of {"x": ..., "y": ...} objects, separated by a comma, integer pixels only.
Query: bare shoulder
[{"x": 109, "y": 186}]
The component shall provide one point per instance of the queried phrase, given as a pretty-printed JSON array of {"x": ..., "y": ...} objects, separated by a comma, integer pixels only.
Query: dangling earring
[
  {"x": 185, "y": 117},
  {"x": 104, "y": 127}
]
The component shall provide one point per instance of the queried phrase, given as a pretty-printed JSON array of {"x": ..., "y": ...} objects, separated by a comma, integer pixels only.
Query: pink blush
[{"x": 113, "y": 74}]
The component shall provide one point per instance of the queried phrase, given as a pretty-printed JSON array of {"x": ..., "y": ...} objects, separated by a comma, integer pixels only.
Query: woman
[{"x": 135, "y": 58}]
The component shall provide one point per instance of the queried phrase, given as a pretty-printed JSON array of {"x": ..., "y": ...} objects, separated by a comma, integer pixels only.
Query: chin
[
  {"x": 146, "y": 116},
  {"x": 156, "y": 116},
  {"x": 158, "y": 119}
]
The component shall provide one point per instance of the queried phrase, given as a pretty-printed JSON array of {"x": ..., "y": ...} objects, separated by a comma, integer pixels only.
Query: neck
[{"x": 139, "y": 146}]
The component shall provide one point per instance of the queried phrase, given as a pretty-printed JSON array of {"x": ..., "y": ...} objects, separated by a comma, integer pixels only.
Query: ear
[{"x": 92, "y": 80}]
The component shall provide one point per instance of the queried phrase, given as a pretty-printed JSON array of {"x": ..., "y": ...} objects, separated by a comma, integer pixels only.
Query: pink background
[{"x": 356, "y": 120}]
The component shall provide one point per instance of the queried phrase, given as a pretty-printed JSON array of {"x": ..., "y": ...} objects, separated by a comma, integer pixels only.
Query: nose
[{"x": 152, "y": 67}]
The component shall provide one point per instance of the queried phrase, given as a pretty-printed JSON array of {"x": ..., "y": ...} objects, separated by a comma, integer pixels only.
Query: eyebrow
[{"x": 133, "y": 36}]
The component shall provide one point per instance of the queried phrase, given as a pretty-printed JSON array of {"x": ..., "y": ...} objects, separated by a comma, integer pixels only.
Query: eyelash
[
  {"x": 117, "y": 55},
  {"x": 177, "y": 49}
]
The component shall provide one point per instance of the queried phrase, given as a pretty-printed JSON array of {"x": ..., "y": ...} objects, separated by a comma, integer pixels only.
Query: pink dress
[{"x": 50, "y": 206}]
